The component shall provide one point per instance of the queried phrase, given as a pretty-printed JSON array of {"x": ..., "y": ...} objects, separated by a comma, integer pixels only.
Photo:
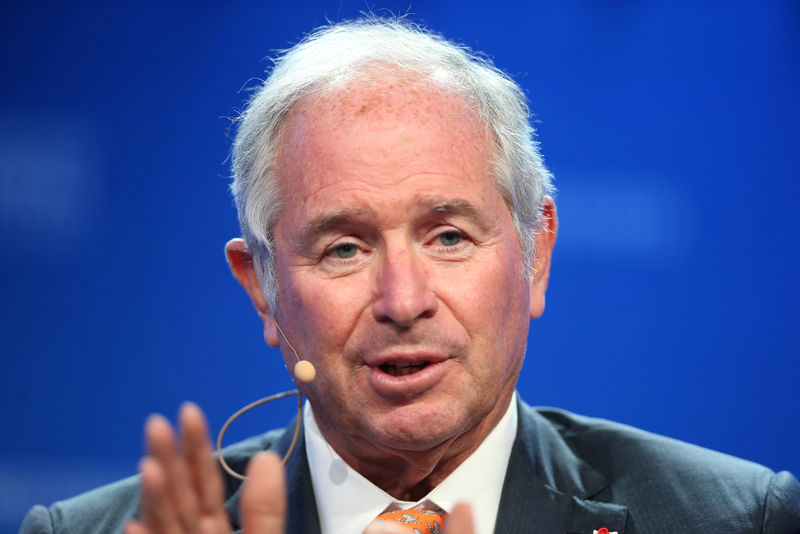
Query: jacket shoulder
[
  {"x": 107, "y": 509},
  {"x": 664, "y": 481}
]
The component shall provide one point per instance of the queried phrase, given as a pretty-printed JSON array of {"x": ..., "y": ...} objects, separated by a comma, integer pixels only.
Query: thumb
[
  {"x": 263, "y": 503},
  {"x": 386, "y": 527},
  {"x": 459, "y": 521}
]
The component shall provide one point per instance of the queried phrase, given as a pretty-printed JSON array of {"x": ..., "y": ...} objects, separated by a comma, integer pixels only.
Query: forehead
[{"x": 381, "y": 134}]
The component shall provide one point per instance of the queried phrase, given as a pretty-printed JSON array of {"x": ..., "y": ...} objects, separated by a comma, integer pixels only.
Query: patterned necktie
[{"x": 416, "y": 521}]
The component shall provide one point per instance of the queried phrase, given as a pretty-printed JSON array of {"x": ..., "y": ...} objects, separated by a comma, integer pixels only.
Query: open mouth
[{"x": 402, "y": 369}]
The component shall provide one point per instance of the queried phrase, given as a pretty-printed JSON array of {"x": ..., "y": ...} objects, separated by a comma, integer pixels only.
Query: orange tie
[{"x": 416, "y": 521}]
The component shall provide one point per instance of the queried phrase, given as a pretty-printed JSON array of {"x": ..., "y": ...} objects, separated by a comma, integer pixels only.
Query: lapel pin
[{"x": 603, "y": 531}]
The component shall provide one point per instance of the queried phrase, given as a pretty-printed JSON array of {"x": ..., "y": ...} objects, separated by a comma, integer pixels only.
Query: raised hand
[{"x": 182, "y": 490}]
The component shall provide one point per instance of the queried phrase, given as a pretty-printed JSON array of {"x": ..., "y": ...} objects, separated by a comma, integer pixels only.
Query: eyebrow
[
  {"x": 457, "y": 207},
  {"x": 308, "y": 233},
  {"x": 319, "y": 226}
]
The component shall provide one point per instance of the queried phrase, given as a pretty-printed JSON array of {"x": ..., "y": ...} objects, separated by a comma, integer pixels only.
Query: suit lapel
[
  {"x": 302, "y": 506},
  {"x": 302, "y": 511},
  {"x": 548, "y": 489}
]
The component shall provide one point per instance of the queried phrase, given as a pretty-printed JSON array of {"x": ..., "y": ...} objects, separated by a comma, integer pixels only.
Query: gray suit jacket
[{"x": 567, "y": 474}]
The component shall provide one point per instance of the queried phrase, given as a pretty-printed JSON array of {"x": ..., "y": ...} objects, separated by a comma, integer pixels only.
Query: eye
[
  {"x": 450, "y": 239},
  {"x": 344, "y": 251}
]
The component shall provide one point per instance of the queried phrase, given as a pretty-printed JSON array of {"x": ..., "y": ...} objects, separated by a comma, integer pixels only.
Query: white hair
[{"x": 334, "y": 55}]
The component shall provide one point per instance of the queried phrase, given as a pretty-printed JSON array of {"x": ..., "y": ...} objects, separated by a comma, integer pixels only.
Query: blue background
[{"x": 671, "y": 128}]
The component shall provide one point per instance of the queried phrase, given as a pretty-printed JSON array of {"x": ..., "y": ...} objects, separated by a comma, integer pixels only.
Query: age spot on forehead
[{"x": 389, "y": 95}]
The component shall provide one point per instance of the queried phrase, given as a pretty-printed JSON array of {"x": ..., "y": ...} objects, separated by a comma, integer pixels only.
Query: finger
[
  {"x": 203, "y": 470},
  {"x": 263, "y": 502},
  {"x": 160, "y": 439},
  {"x": 178, "y": 487},
  {"x": 459, "y": 521},
  {"x": 385, "y": 527},
  {"x": 135, "y": 527},
  {"x": 157, "y": 511}
]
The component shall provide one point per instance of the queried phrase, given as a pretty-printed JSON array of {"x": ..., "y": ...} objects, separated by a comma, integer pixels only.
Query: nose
[{"x": 403, "y": 295}]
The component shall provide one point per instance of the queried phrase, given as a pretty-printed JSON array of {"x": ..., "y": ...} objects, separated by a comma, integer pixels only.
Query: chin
[{"x": 415, "y": 428}]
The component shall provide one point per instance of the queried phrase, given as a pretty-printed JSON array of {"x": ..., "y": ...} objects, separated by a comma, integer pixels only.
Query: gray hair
[{"x": 333, "y": 55}]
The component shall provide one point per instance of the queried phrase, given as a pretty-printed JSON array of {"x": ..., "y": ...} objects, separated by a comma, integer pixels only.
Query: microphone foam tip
[{"x": 304, "y": 371}]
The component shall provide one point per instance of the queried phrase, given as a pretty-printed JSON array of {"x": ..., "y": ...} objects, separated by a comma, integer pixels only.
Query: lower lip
[{"x": 406, "y": 386}]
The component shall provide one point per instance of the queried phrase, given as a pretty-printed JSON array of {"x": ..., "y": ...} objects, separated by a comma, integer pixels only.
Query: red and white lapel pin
[{"x": 604, "y": 531}]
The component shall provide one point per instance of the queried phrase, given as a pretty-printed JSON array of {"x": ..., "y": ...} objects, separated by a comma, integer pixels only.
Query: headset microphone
[{"x": 304, "y": 370}]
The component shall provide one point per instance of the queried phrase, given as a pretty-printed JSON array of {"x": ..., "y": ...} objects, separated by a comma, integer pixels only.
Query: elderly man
[{"x": 397, "y": 235}]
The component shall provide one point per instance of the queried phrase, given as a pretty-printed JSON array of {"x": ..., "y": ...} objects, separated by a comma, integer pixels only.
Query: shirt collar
[{"x": 347, "y": 502}]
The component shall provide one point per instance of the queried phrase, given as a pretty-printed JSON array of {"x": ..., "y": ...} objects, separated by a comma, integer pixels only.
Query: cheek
[
  {"x": 493, "y": 308},
  {"x": 496, "y": 290},
  {"x": 324, "y": 312}
]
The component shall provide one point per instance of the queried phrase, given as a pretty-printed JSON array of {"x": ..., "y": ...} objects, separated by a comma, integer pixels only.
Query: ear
[
  {"x": 241, "y": 263},
  {"x": 545, "y": 241}
]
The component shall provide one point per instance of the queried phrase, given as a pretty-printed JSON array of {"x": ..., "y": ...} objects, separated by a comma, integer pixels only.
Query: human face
[{"x": 399, "y": 269}]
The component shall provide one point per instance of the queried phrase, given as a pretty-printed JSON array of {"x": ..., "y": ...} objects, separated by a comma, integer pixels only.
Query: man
[{"x": 397, "y": 235}]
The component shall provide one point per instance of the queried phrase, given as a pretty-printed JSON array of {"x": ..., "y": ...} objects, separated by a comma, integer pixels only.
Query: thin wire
[
  {"x": 287, "y": 340},
  {"x": 256, "y": 404},
  {"x": 249, "y": 407}
]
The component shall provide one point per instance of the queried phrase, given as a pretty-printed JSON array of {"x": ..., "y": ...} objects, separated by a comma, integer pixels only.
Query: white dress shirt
[{"x": 347, "y": 502}]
